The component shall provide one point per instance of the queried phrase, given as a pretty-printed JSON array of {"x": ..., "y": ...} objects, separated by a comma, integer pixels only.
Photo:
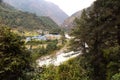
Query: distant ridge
[
  {"x": 41, "y": 8},
  {"x": 68, "y": 23},
  {"x": 25, "y": 21}
]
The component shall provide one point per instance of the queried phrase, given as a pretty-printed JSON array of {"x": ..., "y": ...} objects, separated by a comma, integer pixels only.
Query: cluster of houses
[{"x": 44, "y": 37}]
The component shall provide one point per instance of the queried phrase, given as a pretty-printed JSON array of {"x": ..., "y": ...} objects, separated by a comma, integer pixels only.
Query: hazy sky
[{"x": 72, "y": 6}]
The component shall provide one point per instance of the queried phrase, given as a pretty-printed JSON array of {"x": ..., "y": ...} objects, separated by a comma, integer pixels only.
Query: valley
[{"x": 39, "y": 41}]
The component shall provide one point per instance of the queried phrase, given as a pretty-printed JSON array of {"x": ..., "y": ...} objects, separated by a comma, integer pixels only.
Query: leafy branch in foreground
[{"x": 14, "y": 58}]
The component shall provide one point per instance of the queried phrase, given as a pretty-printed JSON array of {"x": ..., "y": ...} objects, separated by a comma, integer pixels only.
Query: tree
[
  {"x": 14, "y": 59},
  {"x": 52, "y": 46},
  {"x": 103, "y": 39},
  {"x": 80, "y": 32},
  {"x": 106, "y": 39}
]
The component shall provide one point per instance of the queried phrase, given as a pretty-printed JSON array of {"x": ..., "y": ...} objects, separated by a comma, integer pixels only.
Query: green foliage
[
  {"x": 79, "y": 32},
  {"x": 45, "y": 48},
  {"x": 112, "y": 56},
  {"x": 23, "y": 20},
  {"x": 14, "y": 59},
  {"x": 71, "y": 70},
  {"x": 52, "y": 45},
  {"x": 67, "y": 71},
  {"x": 48, "y": 22},
  {"x": 42, "y": 50},
  {"x": 116, "y": 77},
  {"x": 34, "y": 42},
  {"x": 99, "y": 28},
  {"x": 49, "y": 74}
]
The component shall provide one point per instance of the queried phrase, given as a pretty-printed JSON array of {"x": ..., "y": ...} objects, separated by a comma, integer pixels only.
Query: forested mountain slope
[
  {"x": 40, "y": 8},
  {"x": 23, "y": 20}
]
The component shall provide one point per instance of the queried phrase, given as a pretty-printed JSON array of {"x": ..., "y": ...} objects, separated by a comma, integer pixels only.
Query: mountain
[
  {"x": 68, "y": 23},
  {"x": 40, "y": 8},
  {"x": 24, "y": 20}
]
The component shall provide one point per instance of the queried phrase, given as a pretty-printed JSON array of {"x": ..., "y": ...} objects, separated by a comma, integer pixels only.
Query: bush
[{"x": 14, "y": 59}]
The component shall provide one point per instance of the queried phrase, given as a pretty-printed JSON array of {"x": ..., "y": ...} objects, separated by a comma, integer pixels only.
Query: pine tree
[
  {"x": 103, "y": 38},
  {"x": 80, "y": 32}
]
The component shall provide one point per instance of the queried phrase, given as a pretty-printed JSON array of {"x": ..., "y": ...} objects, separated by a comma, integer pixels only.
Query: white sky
[{"x": 72, "y": 6}]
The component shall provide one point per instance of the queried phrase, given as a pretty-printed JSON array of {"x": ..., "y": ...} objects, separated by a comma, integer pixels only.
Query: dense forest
[{"x": 98, "y": 28}]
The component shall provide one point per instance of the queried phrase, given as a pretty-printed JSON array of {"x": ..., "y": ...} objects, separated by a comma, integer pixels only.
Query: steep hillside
[
  {"x": 68, "y": 23},
  {"x": 41, "y": 8},
  {"x": 23, "y": 20}
]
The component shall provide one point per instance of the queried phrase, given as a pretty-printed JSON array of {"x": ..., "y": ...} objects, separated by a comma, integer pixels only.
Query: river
[{"x": 57, "y": 59}]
